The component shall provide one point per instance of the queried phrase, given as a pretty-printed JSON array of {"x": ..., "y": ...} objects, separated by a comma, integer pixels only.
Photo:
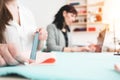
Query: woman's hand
[
  {"x": 95, "y": 47},
  {"x": 42, "y": 37},
  {"x": 9, "y": 55},
  {"x": 85, "y": 49},
  {"x": 42, "y": 34},
  {"x": 81, "y": 49},
  {"x": 117, "y": 67}
]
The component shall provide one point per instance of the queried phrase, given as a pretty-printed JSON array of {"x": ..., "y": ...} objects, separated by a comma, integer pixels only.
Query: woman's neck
[
  {"x": 64, "y": 30},
  {"x": 14, "y": 10},
  {"x": 11, "y": 2}
]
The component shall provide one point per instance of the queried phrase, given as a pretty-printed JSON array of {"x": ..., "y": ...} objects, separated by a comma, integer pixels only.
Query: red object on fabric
[{"x": 49, "y": 60}]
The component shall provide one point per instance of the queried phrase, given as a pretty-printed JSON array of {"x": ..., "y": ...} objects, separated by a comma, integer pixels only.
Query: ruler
[{"x": 34, "y": 46}]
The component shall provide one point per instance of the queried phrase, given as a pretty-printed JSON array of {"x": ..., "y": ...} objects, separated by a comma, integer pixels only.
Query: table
[{"x": 71, "y": 66}]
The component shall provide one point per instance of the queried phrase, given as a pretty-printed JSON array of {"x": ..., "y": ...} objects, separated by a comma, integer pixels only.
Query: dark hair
[
  {"x": 59, "y": 19},
  {"x": 5, "y": 17}
]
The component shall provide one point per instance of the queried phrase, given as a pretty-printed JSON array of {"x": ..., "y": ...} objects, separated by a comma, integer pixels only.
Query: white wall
[{"x": 44, "y": 10}]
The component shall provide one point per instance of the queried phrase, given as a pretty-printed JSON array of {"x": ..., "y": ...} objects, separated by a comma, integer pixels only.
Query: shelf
[
  {"x": 90, "y": 15},
  {"x": 82, "y": 14},
  {"x": 90, "y": 5},
  {"x": 93, "y": 13},
  {"x": 95, "y": 23},
  {"x": 80, "y": 6},
  {"x": 80, "y": 23},
  {"x": 96, "y": 4},
  {"x": 83, "y": 23}
]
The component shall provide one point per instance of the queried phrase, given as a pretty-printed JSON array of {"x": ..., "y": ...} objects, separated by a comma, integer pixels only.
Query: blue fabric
[{"x": 71, "y": 66}]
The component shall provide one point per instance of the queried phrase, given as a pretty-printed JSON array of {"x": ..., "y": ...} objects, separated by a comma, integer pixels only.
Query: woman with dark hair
[
  {"x": 59, "y": 38},
  {"x": 17, "y": 28}
]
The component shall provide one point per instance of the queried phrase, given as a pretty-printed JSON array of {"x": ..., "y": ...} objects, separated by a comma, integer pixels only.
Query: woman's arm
[
  {"x": 79, "y": 49},
  {"x": 9, "y": 55},
  {"x": 52, "y": 39}
]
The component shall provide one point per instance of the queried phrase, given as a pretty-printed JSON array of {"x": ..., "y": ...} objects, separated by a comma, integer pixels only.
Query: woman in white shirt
[{"x": 17, "y": 28}]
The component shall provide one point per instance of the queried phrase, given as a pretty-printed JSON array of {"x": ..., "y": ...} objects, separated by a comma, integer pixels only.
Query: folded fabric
[
  {"x": 45, "y": 58},
  {"x": 69, "y": 66}
]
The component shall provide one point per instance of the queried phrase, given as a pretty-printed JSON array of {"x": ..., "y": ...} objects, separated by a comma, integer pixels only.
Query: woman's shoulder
[{"x": 51, "y": 26}]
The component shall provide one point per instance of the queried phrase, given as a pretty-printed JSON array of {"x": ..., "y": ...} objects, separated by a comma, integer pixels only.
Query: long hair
[
  {"x": 59, "y": 19},
  {"x": 5, "y": 17}
]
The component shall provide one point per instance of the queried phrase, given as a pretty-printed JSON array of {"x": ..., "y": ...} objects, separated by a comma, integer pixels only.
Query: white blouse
[{"x": 21, "y": 35}]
